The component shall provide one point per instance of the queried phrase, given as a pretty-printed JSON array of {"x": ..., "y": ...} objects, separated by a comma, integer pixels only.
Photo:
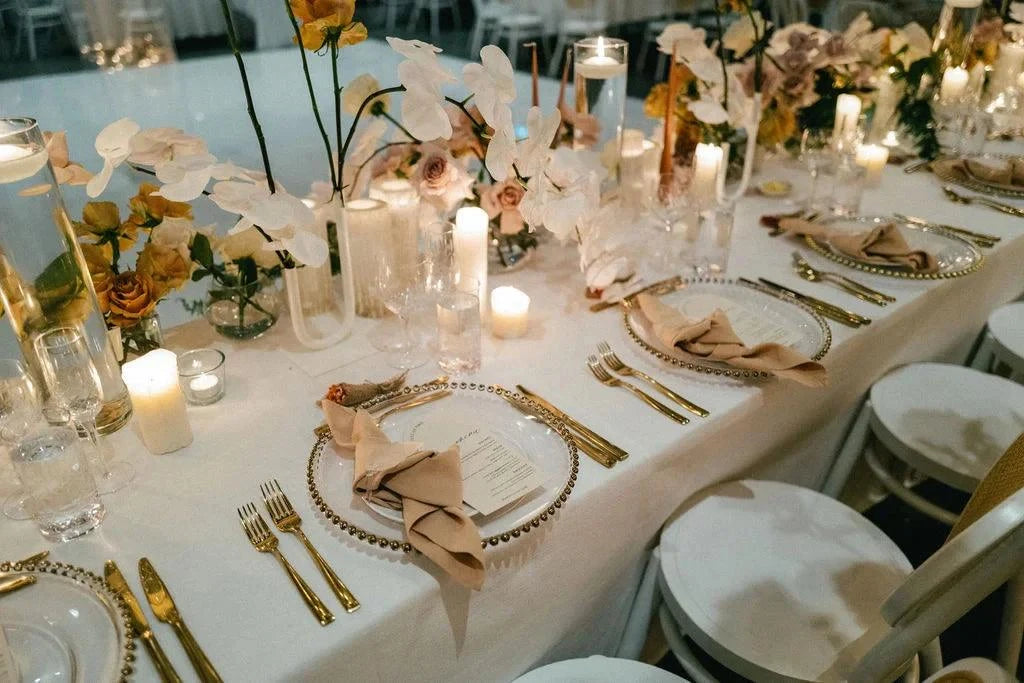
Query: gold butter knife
[
  {"x": 659, "y": 287},
  {"x": 594, "y": 451},
  {"x": 979, "y": 238},
  {"x": 11, "y": 585},
  {"x": 166, "y": 611},
  {"x": 607, "y": 445},
  {"x": 115, "y": 579}
]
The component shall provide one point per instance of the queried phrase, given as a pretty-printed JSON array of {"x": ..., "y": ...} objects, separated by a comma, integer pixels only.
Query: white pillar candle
[
  {"x": 510, "y": 310},
  {"x": 847, "y": 113},
  {"x": 631, "y": 168},
  {"x": 157, "y": 401},
  {"x": 954, "y": 84},
  {"x": 404, "y": 206},
  {"x": 368, "y": 223},
  {"x": 470, "y": 239},
  {"x": 873, "y": 158},
  {"x": 707, "y": 165},
  {"x": 1007, "y": 66},
  {"x": 600, "y": 65}
]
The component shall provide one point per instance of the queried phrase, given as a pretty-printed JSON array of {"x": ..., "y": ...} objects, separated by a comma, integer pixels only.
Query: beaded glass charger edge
[
  {"x": 488, "y": 421},
  {"x": 973, "y": 174},
  {"x": 955, "y": 255},
  {"x": 757, "y": 315},
  {"x": 67, "y": 626}
]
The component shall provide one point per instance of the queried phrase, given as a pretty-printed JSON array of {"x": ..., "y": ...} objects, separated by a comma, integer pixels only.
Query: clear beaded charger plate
[
  {"x": 506, "y": 416},
  {"x": 973, "y": 182},
  {"x": 757, "y": 314},
  {"x": 68, "y": 626},
  {"x": 956, "y": 256}
]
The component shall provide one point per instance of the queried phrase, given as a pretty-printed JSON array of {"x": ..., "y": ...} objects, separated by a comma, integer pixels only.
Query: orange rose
[
  {"x": 327, "y": 22},
  {"x": 148, "y": 210},
  {"x": 165, "y": 266},
  {"x": 132, "y": 297}
]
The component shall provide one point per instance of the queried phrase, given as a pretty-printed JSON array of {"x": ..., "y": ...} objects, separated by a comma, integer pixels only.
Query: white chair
[
  {"x": 981, "y": 669},
  {"x": 778, "y": 582},
  {"x": 1002, "y": 346},
  {"x": 514, "y": 27},
  {"x": 578, "y": 19},
  {"x": 34, "y": 15},
  {"x": 784, "y": 12},
  {"x": 434, "y": 7},
  {"x": 598, "y": 669},
  {"x": 487, "y": 13},
  {"x": 391, "y": 10}
]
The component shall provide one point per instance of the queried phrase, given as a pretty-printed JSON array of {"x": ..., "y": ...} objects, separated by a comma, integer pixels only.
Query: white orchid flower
[
  {"x": 186, "y": 177},
  {"x": 858, "y": 28},
  {"x": 361, "y": 151},
  {"x": 915, "y": 39},
  {"x": 707, "y": 67},
  {"x": 492, "y": 83},
  {"x": 708, "y": 110},
  {"x": 606, "y": 269},
  {"x": 113, "y": 144},
  {"x": 780, "y": 39},
  {"x": 423, "y": 112},
  {"x": 501, "y": 152},
  {"x": 742, "y": 33},
  {"x": 566, "y": 193},
  {"x": 686, "y": 40},
  {"x": 532, "y": 153},
  {"x": 153, "y": 145},
  {"x": 306, "y": 247}
]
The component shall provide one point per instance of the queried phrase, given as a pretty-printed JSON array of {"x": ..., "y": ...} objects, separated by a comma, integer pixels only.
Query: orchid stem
[
  {"x": 721, "y": 56},
  {"x": 337, "y": 109},
  {"x": 400, "y": 127},
  {"x": 343, "y": 151},
  {"x": 359, "y": 169}
]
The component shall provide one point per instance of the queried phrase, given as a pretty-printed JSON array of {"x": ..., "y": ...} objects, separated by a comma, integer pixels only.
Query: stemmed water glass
[
  {"x": 404, "y": 289},
  {"x": 19, "y": 411},
  {"x": 816, "y": 154},
  {"x": 75, "y": 389}
]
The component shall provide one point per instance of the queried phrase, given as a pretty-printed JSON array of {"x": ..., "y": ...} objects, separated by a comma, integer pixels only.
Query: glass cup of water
[
  {"x": 60, "y": 492},
  {"x": 458, "y": 327},
  {"x": 714, "y": 239}
]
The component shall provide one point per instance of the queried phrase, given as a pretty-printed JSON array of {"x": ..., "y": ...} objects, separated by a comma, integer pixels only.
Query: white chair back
[
  {"x": 785, "y": 12},
  {"x": 964, "y": 571}
]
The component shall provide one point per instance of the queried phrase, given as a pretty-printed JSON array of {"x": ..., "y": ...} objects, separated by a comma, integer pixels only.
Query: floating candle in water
[
  {"x": 600, "y": 65},
  {"x": 847, "y": 113},
  {"x": 707, "y": 166},
  {"x": 18, "y": 162}
]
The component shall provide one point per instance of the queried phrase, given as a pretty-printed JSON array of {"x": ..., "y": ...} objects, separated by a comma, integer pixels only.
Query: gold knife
[
  {"x": 166, "y": 611},
  {"x": 840, "y": 315},
  {"x": 980, "y": 238},
  {"x": 659, "y": 287},
  {"x": 115, "y": 579},
  {"x": 607, "y": 445},
  {"x": 591, "y": 449},
  {"x": 11, "y": 585}
]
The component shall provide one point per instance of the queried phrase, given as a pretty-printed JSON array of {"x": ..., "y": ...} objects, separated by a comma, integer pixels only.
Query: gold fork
[
  {"x": 288, "y": 521},
  {"x": 602, "y": 375},
  {"x": 264, "y": 540},
  {"x": 616, "y": 364}
]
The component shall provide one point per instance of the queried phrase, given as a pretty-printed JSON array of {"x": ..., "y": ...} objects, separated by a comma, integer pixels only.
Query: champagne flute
[
  {"x": 19, "y": 411},
  {"x": 75, "y": 389}
]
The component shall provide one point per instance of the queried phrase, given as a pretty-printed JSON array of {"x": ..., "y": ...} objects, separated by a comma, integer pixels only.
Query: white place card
[
  {"x": 752, "y": 326},
  {"x": 494, "y": 471},
  {"x": 8, "y": 670}
]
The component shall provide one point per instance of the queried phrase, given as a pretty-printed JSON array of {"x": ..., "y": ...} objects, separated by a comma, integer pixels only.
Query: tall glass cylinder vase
[
  {"x": 600, "y": 65},
  {"x": 369, "y": 226},
  {"x": 954, "y": 31},
  {"x": 321, "y": 306},
  {"x": 44, "y": 280}
]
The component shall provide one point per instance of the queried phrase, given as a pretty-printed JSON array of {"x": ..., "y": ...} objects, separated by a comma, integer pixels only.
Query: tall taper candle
[
  {"x": 847, "y": 113},
  {"x": 470, "y": 240},
  {"x": 668, "y": 139}
]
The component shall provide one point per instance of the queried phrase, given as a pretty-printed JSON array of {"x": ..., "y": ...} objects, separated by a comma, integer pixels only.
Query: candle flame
[{"x": 600, "y": 46}]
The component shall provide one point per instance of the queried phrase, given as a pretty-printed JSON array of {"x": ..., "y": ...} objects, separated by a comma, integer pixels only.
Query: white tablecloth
[{"x": 562, "y": 593}]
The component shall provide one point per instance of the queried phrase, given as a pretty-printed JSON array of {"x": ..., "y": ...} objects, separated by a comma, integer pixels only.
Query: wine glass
[
  {"x": 816, "y": 154},
  {"x": 75, "y": 389},
  {"x": 19, "y": 411},
  {"x": 403, "y": 289},
  {"x": 675, "y": 218}
]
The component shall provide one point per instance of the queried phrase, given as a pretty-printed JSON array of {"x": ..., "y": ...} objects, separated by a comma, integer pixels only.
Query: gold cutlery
[
  {"x": 660, "y": 287},
  {"x": 830, "y": 311},
  {"x": 162, "y": 604},
  {"x": 979, "y": 238},
  {"x": 604, "y": 377},
  {"x": 984, "y": 201},
  {"x": 140, "y": 624},
  {"x": 38, "y": 557},
  {"x": 419, "y": 400},
  {"x": 264, "y": 540},
  {"x": 923, "y": 165},
  {"x": 11, "y": 585},
  {"x": 615, "y": 364},
  {"x": 575, "y": 425},
  {"x": 589, "y": 448},
  {"x": 288, "y": 521},
  {"x": 325, "y": 429},
  {"x": 863, "y": 292}
]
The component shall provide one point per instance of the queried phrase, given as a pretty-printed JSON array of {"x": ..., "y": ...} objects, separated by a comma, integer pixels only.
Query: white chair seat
[
  {"x": 598, "y": 669},
  {"x": 951, "y": 423},
  {"x": 1006, "y": 325},
  {"x": 774, "y": 580},
  {"x": 520, "y": 20},
  {"x": 985, "y": 669}
]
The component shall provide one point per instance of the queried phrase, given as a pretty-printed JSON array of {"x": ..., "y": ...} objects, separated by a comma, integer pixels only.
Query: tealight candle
[
  {"x": 202, "y": 377},
  {"x": 707, "y": 166},
  {"x": 847, "y": 113},
  {"x": 873, "y": 158},
  {"x": 509, "y": 312},
  {"x": 600, "y": 66},
  {"x": 954, "y": 84},
  {"x": 470, "y": 239},
  {"x": 157, "y": 401}
]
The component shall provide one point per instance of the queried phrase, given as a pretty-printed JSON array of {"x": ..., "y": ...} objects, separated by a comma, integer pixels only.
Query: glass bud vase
[
  {"x": 244, "y": 311},
  {"x": 44, "y": 280},
  {"x": 138, "y": 339},
  {"x": 322, "y": 306}
]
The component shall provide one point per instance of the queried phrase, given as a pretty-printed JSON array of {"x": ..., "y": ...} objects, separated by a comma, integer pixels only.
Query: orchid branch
[
  {"x": 337, "y": 109},
  {"x": 343, "y": 150},
  {"x": 359, "y": 169},
  {"x": 721, "y": 55},
  {"x": 399, "y": 126}
]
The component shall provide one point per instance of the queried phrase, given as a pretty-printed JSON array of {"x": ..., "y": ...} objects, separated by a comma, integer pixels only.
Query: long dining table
[{"x": 561, "y": 593}]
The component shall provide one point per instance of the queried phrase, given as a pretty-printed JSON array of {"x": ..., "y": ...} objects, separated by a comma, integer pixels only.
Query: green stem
[
  {"x": 400, "y": 127},
  {"x": 359, "y": 169},
  {"x": 343, "y": 151},
  {"x": 335, "y": 181},
  {"x": 337, "y": 110},
  {"x": 461, "y": 104},
  {"x": 758, "y": 50},
  {"x": 721, "y": 57}
]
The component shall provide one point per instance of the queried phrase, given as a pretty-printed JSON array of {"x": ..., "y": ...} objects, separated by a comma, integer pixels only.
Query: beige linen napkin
[
  {"x": 713, "y": 338},
  {"x": 882, "y": 245},
  {"x": 426, "y": 486}
]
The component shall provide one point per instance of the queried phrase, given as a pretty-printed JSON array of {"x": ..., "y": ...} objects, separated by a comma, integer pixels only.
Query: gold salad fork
[
  {"x": 288, "y": 521},
  {"x": 264, "y": 540},
  {"x": 602, "y": 375},
  {"x": 615, "y": 363}
]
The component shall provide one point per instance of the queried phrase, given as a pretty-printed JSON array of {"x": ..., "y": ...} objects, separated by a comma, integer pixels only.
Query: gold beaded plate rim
[
  {"x": 125, "y": 633},
  {"x": 721, "y": 369},
  {"x": 974, "y": 183},
  {"x": 561, "y": 497},
  {"x": 821, "y": 248}
]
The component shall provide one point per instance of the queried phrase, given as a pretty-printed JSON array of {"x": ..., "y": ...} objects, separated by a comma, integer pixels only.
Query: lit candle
[
  {"x": 631, "y": 167},
  {"x": 892, "y": 139},
  {"x": 600, "y": 66},
  {"x": 885, "y": 105},
  {"x": 954, "y": 84},
  {"x": 470, "y": 238},
  {"x": 204, "y": 387},
  {"x": 368, "y": 222},
  {"x": 707, "y": 166},
  {"x": 873, "y": 158},
  {"x": 157, "y": 401},
  {"x": 1008, "y": 64},
  {"x": 847, "y": 113},
  {"x": 509, "y": 312},
  {"x": 18, "y": 162}
]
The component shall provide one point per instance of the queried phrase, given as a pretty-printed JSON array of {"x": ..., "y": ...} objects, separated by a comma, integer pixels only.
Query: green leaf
[
  {"x": 199, "y": 273},
  {"x": 59, "y": 282},
  {"x": 201, "y": 251}
]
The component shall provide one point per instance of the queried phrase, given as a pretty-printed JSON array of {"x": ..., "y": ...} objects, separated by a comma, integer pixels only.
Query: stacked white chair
[
  {"x": 578, "y": 19},
  {"x": 33, "y": 15},
  {"x": 434, "y": 7},
  {"x": 514, "y": 27},
  {"x": 487, "y": 15},
  {"x": 1002, "y": 346}
]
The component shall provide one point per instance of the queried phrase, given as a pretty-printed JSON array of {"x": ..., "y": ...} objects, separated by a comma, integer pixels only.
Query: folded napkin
[
  {"x": 426, "y": 486},
  {"x": 882, "y": 245},
  {"x": 713, "y": 338}
]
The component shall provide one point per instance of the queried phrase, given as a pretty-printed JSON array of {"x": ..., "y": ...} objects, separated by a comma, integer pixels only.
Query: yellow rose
[
  {"x": 149, "y": 210},
  {"x": 327, "y": 22},
  {"x": 100, "y": 273},
  {"x": 132, "y": 297},
  {"x": 101, "y": 220},
  {"x": 164, "y": 266}
]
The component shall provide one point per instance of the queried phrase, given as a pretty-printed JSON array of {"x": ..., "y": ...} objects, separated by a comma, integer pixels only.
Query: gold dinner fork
[
  {"x": 288, "y": 521},
  {"x": 602, "y": 375},
  {"x": 616, "y": 364},
  {"x": 264, "y": 540}
]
